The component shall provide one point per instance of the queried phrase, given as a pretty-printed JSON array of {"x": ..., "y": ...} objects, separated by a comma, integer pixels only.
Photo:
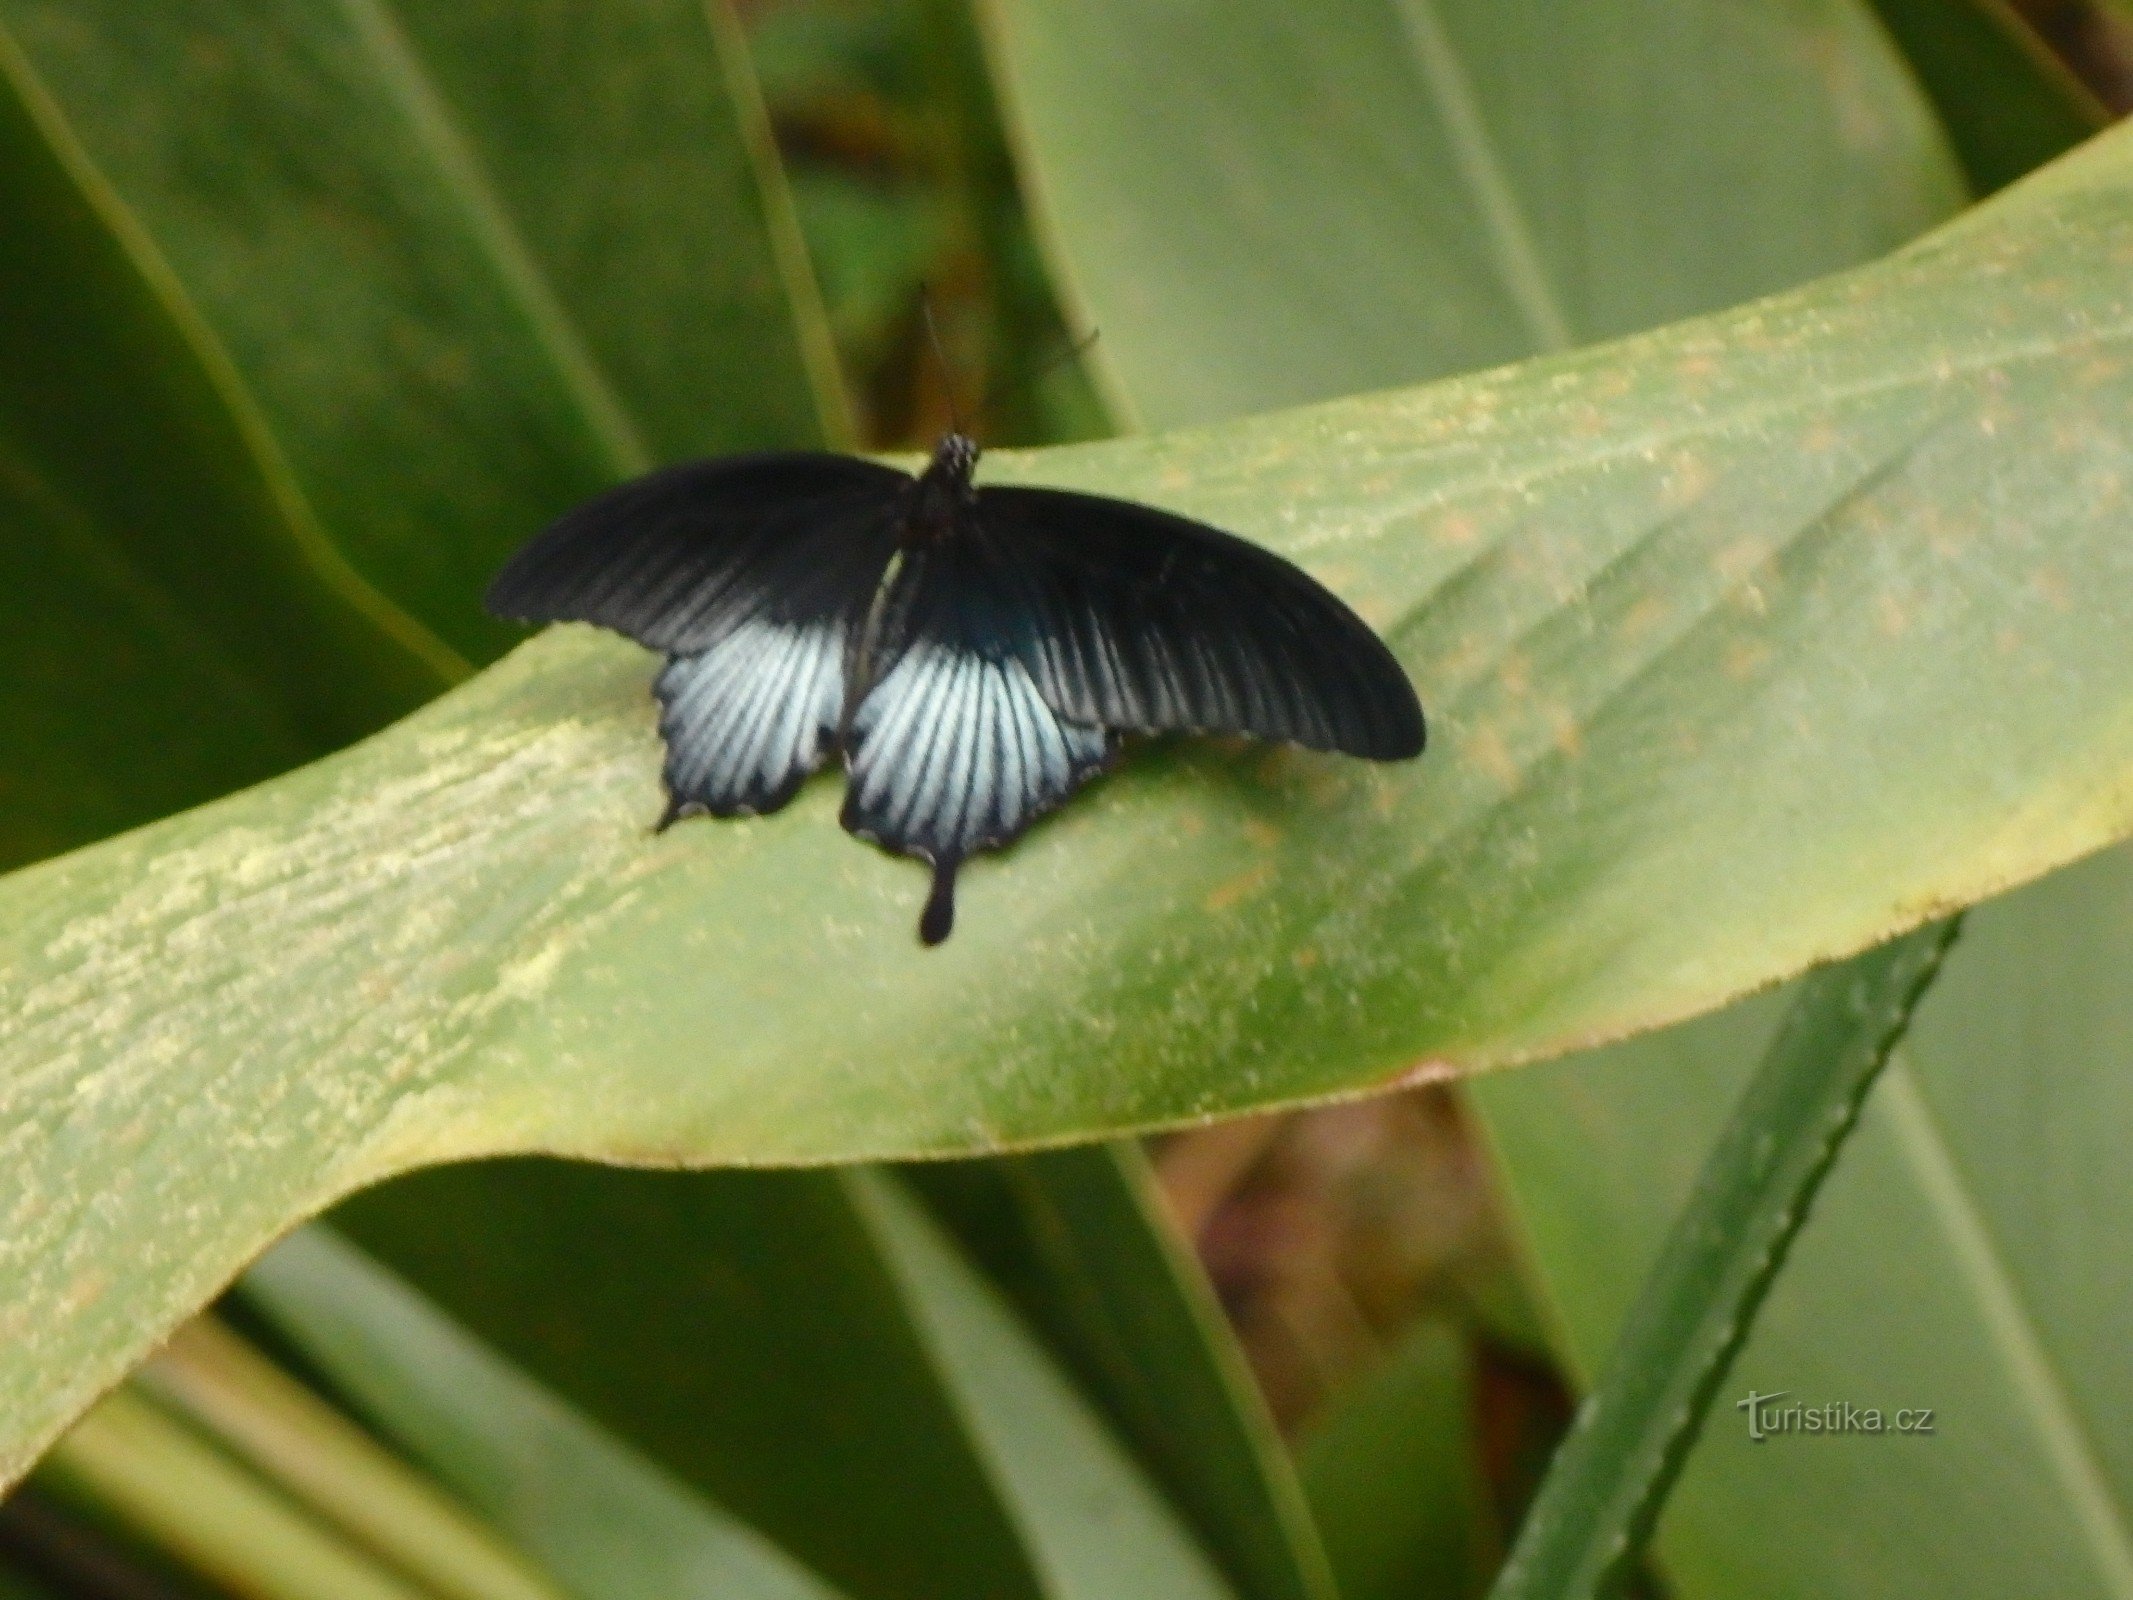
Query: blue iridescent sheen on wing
[
  {"x": 757, "y": 573},
  {"x": 747, "y": 720},
  {"x": 952, "y": 749}
]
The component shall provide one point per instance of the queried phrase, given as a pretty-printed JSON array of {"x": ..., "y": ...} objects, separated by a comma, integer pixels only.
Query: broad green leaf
[
  {"x": 1696, "y": 1307},
  {"x": 1359, "y": 193},
  {"x": 1078, "y": 1240},
  {"x": 2008, "y": 103},
  {"x": 170, "y": 625},
  {"x": 1667, "y": 600},
  {"x": 1963, "y": 1258},
  {"x": 953, "y": 1458},
  {"x": 2011, "y": 1503},
  {"x": 466, "y": 260},
  {"x": 742, "y": 1331},
  {"x": 609, "y": 1523},
  {"x": 1394, "y": 1477},
  {"x": 1095, "y": 1525},
  {"x": 489, "y": 141},
  {"x": 1068, "y": 1233}
]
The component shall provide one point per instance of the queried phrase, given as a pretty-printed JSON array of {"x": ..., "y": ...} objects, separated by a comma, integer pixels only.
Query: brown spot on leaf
[
  {"x": 1242, "y": 887},
  {"x": 1485, "y": 749},
  {"x": 1745, "y": 658}
]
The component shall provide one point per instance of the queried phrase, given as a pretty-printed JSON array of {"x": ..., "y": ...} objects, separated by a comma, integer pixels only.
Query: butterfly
[{"x": 973, "y": 653}]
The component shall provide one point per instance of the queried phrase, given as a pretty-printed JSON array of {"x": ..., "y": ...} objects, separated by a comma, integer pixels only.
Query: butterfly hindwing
[
  {"x": 680, "y": 557},
  {"x": 953, "y": 749},
  {"x": 757, "y": 574},
  {"x": 1146, "y": 621},
  {"x": 747, "y": 720}
]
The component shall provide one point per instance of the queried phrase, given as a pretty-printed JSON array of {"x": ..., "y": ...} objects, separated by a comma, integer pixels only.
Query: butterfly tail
[{"x": 937, "y": 921}]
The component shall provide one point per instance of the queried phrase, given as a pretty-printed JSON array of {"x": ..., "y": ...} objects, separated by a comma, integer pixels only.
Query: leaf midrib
[
  {"x": 149, "y": 598},
  {"x": 489, "y": 220},
  {"x": 2011, "y": 1329},
  {"x": 1502, "y": 213},
  {"x": 278, "y": 479}
]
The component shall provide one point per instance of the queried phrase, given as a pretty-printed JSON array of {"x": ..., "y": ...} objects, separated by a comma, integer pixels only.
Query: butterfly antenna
[{"x": 940, "y": 354}]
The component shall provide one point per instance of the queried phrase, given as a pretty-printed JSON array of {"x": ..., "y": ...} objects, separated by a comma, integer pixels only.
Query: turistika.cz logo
[{"x": 1769, "y": 1416}]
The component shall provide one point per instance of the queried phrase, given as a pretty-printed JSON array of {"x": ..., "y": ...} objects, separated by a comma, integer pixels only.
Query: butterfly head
[
  {"x": 942, "y": 490},
  {"x": 955, "y": 458}
]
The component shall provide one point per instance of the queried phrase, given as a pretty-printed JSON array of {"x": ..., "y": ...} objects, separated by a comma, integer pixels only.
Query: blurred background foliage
[{"x": 1294, "y": 1356}]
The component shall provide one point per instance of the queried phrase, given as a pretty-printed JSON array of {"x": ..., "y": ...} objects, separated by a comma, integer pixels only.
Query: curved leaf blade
[
  {"x": 1096, "y": 1526},
  {"x": 2008, "y": 103},
  {"x": 164, "y": 633},
  {"x": 720, "y": 1346},
  {"x": 467, "y": 261},
  {"x": 1471, "y": 176},
  {"x": 1079, "y": 1241},
  {"x": 1624, "y": 580},
  {"x": 610, "y": 1523},
  {"x": 1610, "y": 1478},
  {"x": 1960, "y": 1260}
]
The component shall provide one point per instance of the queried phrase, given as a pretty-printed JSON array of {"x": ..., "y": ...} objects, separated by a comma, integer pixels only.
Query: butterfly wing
[
  {"x": 747, "y": 720},
  {"x": 953, "y": 748},
  {"x": 1150, "y": 622},
  {"x": 678, "y": 558},
  {"x": 757, "y": 574}
]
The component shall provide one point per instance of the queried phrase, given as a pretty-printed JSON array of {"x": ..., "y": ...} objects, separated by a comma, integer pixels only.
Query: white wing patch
[
  {"x": 747, "y": 720},
  {"x": 955, "y": 750}
]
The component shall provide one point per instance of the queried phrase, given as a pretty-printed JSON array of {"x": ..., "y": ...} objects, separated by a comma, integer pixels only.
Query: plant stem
[
  {"x": 130, "y": 1458},
  {"x": 319, "y": 1457}
]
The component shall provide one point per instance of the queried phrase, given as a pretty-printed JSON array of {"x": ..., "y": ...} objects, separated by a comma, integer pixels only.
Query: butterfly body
[
  {"x": 944, "y": 497},
  {"x": 974, "y": 654}
]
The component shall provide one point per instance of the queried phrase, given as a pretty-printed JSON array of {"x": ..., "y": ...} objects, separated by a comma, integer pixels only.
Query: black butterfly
[{"x": 974, "y": 654}]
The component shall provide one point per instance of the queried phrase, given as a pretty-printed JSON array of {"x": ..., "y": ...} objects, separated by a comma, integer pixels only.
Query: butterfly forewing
[
  {"x": 679, "y": 558},
  {"x": 1149, "y": 622}
]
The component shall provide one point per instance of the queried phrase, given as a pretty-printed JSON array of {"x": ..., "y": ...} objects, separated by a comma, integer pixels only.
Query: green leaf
[
  {"x": 132, "y": 1460},
  {"x": 739, "y": 1377},
  {"x": 1360, "y": 193},
  {"x": 720, "y": 1344},
  {"x": 1095, "y": 1526},
  {"x": 462, "y": 261},
  {"x": 2008, "y": 103},
  {"x": 1667, "y": 600},
  {"x": 1962, "y": 1259},
  {"x": 1078, "y": 1240},
  {"x": 1600, "y": 1145},
  {"x": 258, "y": 1414},
  {"x": 743, "y": 1424},
  {"x": 1392, "y": 1473},
  {"x": 169, "y": 627},
  {"x": 609, "y": 1523},
  {"x": 1604, "y": 1491}
]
